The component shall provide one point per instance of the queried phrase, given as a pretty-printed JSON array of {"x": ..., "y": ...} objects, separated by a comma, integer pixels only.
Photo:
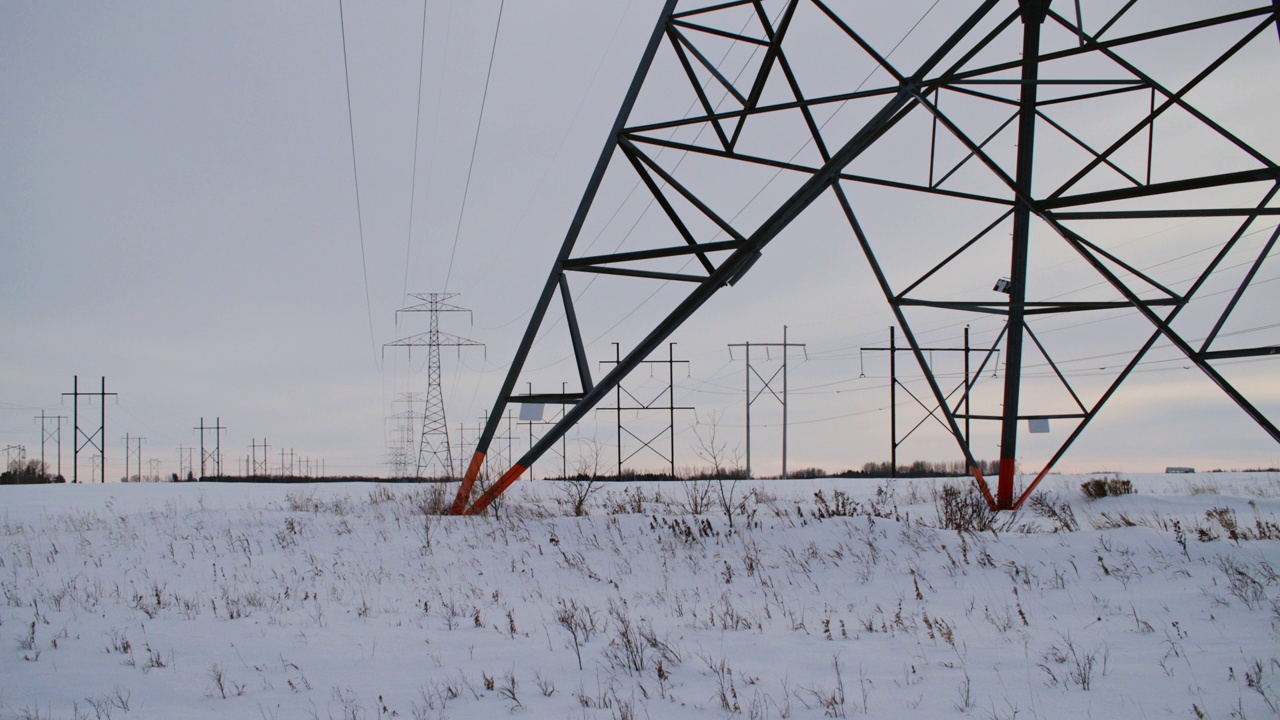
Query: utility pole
[
  {"x": 462, "y": 446},
  {"x": 216, "y": 455},
  {"x": 433, "y": 447},
  {"x": 530, "y": 415},
  {"x": 562, "y": 452},
  {"x": 96, "y": 439},
  {"x": 154, "y": 464},
  {"x": 966, "y": 385},
  {"x": 257, "y": 467},
  {"x": 45, "y": 435},
  {"x": 217, "y": 445},
  {"x": 128, "y": 452},
  {"x": 669, "y": 391},
  {"x": 10, "y": 451},
  {"x": 184, "y": 463},
  {"x": 509, "y": 437},
  {"x": 766, "y": 384},
  {"x": 286, "y": 470},
  {"x": 530, "y": 423},
  {"x": 484, "y": 421}
]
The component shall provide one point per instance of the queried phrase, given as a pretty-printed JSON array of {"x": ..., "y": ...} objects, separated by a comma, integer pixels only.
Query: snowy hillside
[{"x": 814, "y": 598}]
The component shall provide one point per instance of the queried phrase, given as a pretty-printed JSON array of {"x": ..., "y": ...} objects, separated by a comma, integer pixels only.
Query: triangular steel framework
[{"x": 1005, "y": 74}]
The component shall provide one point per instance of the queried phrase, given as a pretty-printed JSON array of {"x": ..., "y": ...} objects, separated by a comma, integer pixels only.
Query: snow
[{"x": 347, "y": 601}]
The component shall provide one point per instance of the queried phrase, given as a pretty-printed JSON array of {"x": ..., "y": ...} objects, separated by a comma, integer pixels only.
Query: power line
[
  {"x": 475, "y": 142},
  {"x": 355, "y": 173},
  {"x": 417, "y": 129},
  {"x": 541, "y": 183}
]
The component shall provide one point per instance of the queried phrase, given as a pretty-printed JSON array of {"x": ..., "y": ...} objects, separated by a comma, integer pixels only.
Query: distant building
[{"x": 1175, "y": 469}]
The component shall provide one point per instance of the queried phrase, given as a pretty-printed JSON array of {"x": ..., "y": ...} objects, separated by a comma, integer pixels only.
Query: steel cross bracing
[
  {"x": 931, "y": 411},
  {"x": 82, "y": 439},
  {"x": 640, "y": 405},
  {"x": 1019, "y": 133},
  {"x": 435, "y": 457},
  {"x": 766, "y": 384}
]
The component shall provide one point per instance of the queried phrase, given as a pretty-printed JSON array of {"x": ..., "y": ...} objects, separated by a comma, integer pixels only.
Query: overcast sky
[{"x": 178, "y": 212}]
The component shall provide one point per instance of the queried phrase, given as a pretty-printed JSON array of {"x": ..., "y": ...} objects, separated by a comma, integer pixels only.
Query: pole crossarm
[
  {"x": 427, "y": 339},
  {"x": 433, "y": 303},
  {"x": 734, "y": 124}
]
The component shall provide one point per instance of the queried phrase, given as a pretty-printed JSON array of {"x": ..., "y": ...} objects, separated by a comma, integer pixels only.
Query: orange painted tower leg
[{"x": 468, "y": 480}]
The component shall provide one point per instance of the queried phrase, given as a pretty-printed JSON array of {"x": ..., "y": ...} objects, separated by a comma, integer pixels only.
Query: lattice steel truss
[
  {"x": 401, "y": 449},
  {"x": 435, "y": 458},
  {"x": 1016, "y": 129}
]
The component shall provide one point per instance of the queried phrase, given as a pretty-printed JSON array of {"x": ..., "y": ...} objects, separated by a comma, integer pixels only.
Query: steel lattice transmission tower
[
  {"x": 434, "y": 456},
  {"x": 401, "y": 449},
  {"x": 1095, "y": 160}
]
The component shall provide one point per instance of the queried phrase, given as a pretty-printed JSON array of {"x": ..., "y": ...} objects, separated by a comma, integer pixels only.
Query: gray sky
[{"x": 178, "y": 213}]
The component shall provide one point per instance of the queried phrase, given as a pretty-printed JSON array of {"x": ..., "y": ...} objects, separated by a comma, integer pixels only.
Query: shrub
[
  {"x": 962, "y": 508},
  {"x": 576, "y": 491},
  {"x": 1106, "y": 487},
  {"x": 1055, "y": 510},
  {"x": 1228, "y": 523}
]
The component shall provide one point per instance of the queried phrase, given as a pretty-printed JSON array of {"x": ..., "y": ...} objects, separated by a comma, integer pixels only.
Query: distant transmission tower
[
  {"x": 434, "y": 456},
  {"x": 403, "y": 457}
]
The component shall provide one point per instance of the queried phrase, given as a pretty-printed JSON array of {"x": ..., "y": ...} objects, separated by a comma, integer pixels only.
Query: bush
[
  {"x": 963, "y": 509},
  {"x": 1106, "y": 487},
  {"x": 1055, "y": 510}
]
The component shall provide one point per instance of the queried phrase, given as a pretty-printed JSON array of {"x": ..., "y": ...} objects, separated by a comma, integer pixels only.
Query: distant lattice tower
[
  {"x": 402, "y": 454},
  {"x": 434, "y": 456}
]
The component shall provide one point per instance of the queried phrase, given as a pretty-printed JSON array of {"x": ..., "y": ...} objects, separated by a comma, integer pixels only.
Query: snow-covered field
[{"x": 347, "y": 601}]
